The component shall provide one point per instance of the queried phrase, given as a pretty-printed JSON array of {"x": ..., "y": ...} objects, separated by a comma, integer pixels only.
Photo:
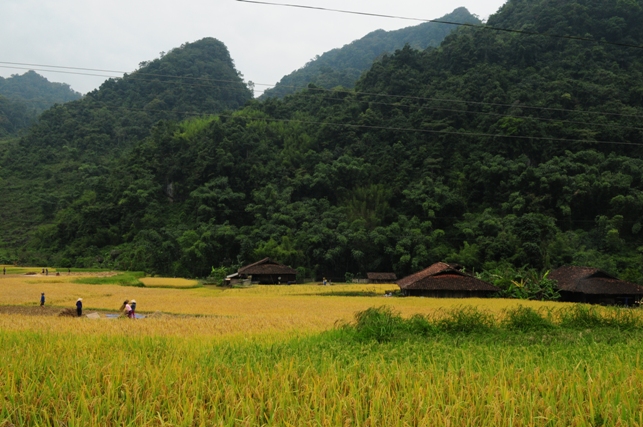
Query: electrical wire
[
  {"x": 373, "y": 127},
  {"x": 613, "y": 126},
  {"x": 129, "y": 73},
  {"x": 482, "y": 113},
  {"x": 351, "y": 92},
  {"x": 439, "y": 21}
]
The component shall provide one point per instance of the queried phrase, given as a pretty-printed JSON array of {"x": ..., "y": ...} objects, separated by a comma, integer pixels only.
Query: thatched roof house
[
  {"x": 591, "y": 285},
  {"x": 381, "y": 277},
  {"x": 445, "y": 281},
  {"x": 268, "y": 272}
]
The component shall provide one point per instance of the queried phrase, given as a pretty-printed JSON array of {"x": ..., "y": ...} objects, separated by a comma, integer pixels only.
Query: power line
[
  {"x": 398, "y": 129},
  {"x": 134, "y": 75},
  {"x": 612, "y": 125},
  {"x": 129, "y": 73},
  {"x": 482, "y": 103},
  {"x": 439, "y": 21},
  {"x": 430, "y": 131},
  {"x": 131, "y": 76},
  {"x": 419, "y": 107},
  {"x": 482, "y": 113},
  {"x": 320, "y": 89}
]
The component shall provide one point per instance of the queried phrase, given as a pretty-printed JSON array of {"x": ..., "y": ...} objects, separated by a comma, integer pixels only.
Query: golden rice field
[
  {"x": 167, "y": 282},
  {"x": 301, "y": 308},
  {"x": 260, "y": 357}
]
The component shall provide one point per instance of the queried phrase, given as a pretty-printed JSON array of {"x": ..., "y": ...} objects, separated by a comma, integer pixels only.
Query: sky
[{"x": 265, "y": 42}]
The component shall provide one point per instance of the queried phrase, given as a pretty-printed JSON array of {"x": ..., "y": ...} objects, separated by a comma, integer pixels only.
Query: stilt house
[
  {"x": 445, "y": 281},
  {"x": 268, "y": 272},
  {"x": 594, "y": 286}
]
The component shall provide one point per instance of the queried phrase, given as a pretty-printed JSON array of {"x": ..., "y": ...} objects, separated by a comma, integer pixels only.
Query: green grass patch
[
  {"x": 129, "y": 278},
  {"x": 85, "y": 270},
  {"x": 383, "y": 324}
]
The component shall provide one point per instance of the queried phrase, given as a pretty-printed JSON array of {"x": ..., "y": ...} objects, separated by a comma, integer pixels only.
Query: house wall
[
  {"x": 623, "y": 300},
  {"x": 446, "y": 294},
  {"x": 273, "y": 279}
]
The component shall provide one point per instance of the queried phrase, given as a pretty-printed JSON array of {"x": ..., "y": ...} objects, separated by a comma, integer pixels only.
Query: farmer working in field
[
  {"x": 42, "y": 299},
  {"x": 126, "y": 309},
  {"x": 133, "y": 312},
  {"x": 79, "y": 307}
]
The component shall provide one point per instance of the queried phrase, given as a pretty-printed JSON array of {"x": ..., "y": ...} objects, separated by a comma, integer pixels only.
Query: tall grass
[
  {"x": 51, "y": 379},
  {"x": 129, "y": 278},
  {"x": 384, "y": 324}
]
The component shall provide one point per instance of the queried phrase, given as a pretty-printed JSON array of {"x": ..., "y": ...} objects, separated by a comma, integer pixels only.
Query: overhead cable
[
  {"x": 440, "y": 21},
  {"x": 135, "y": 74},
  {"x": 398, "y": 129}
]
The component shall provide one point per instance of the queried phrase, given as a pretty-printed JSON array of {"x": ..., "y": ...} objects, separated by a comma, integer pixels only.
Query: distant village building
[
  {"x": 594, "y": 286},
  {"x": 445, "y": 281},
  {"x": 381, "y": 277},
  {"x": 267, "y": 272}
]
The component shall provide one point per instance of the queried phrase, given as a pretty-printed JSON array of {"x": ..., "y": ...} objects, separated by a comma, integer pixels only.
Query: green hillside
[
  {"x": 496, "y": 150},
  {"x": 75, "y": 144},
  {"x": 24, "y": 97},
  {"x": 14, "y": 116},
  {"x": 36, "y": 90},
  {"x": 343, "y": 66}
]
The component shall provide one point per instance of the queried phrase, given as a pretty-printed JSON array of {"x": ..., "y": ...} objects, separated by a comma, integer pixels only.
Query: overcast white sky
[{"x": 266, "y": 42}]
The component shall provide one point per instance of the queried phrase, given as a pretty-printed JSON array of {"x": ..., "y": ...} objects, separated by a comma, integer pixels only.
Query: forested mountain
[
  {"x": 75, "y": 144},
  {"x": 494, "y": 149},
  {"x": 24, "y": 97},
  {"x": 343, "y": 66},
  {"x": 37, "y": 90},
  {"x": 14, "y": 116}
]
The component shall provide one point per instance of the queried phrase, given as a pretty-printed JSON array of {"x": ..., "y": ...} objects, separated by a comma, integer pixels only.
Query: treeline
[{"x": 495, "y": 150}]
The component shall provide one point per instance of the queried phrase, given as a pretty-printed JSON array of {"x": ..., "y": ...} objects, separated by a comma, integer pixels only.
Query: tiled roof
[
  {"x": 444, "y": 277},
  {"x": 589, "y": 280},
  {"x": 266, "y": 266}
]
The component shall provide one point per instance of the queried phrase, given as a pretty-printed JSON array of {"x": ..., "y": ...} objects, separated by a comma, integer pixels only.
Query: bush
[
  {"x": 526, "y": 319},
  {"x": 580, "y": 316},
  {"x": 383, "y": 324},
  {"x": 420, "y": 325},
  {"x": 466, "y": 320},
  {"x": 380, "y": 324}
]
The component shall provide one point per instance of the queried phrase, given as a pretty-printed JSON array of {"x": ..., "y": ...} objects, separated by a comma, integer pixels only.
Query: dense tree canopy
[
  {"x": 342, "y": 67},
  {"x": 494, "y": 149},
  {"x": 24, "y": 97}
]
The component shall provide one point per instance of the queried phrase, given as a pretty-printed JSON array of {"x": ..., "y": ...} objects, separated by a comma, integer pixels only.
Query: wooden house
[
  {"x": 268, "y": 272},
  {"x": 594, "y": 286},
  {"x": 445, "y": 281},
  {"x": 381, "y": 277}
]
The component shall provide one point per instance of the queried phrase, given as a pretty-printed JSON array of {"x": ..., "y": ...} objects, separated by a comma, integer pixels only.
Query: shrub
[
  {"x": 526, "y": 319},
  {"x": 381, "y": 324},
  {"x": 466, "y": 320},
  {"x": 584, "y": 316},
  {"x": 420, "y": 325}
]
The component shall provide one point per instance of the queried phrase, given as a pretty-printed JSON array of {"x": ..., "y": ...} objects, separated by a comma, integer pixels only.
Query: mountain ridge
[{"x": 343, "y": 66}]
